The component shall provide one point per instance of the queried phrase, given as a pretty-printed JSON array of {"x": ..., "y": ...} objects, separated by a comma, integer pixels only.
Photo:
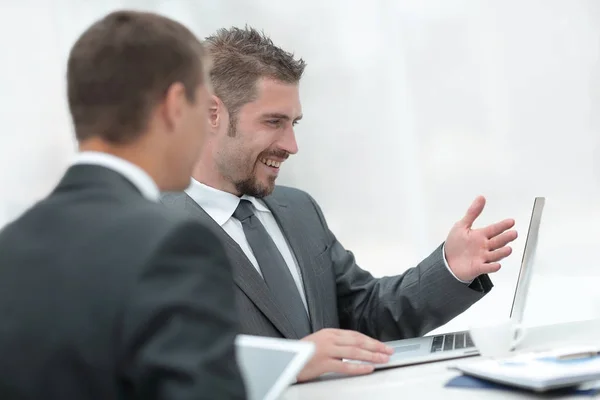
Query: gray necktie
[{"x": 274, "y": 268}]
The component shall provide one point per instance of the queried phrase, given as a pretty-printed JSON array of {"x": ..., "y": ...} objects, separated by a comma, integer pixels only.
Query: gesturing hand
[
  {"x": 333, "y": 345},
  {"x": 473, "y": 252}
]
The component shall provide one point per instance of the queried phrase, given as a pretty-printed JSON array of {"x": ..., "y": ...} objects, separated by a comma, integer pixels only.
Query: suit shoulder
[
  {"x": 160, "y": 231},
  {"x": 155, "y": 217},
  {"x": 290, "y": 194},
  {"x": 173, "y": 200},
  {"x": 157, "y": 211}
]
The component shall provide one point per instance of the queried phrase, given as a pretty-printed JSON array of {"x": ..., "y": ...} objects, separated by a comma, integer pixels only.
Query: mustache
[{"x": 274, "y": 153}]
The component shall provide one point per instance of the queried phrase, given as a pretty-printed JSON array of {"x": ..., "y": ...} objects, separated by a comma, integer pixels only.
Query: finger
[
  {"x": 498, "y": 254},
  {"x": 358, "y": 354},
  {"x": 488, "y": 268},
  {"x": 348, "y": 368},
  {"x": 502, "y": 240},
  {"x": 473, "y": 212},
  {"x": 357, "y": 339},
  {"x": 497, "y": 228}
]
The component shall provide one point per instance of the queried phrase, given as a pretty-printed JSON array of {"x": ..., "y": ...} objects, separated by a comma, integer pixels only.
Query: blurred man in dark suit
[{"x": 105, "y": 294}]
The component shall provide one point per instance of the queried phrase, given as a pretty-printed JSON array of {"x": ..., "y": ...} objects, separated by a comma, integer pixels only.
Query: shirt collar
[
  {"x": 137, "y": 176},
  {"x": 218, "y": 204}
]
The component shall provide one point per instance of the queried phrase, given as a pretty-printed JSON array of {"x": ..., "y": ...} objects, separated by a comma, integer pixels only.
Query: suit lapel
[
  {"x": 245, "y": 275},
  {"x": 299, "y": 243}
]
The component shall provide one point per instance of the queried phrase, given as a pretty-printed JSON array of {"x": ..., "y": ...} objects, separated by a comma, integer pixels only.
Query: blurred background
[{"x": 411, "y": 109}]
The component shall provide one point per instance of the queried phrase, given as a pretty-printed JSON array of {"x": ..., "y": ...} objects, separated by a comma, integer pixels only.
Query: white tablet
[{"x": 270, "y": 365}]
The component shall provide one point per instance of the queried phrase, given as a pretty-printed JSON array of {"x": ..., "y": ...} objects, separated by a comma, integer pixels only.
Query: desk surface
[
  {"x": 416, "y": 382},
  {"x": 428, "y": 380}
]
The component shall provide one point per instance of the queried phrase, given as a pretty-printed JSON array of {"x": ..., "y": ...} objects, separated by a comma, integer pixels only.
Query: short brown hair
[
  {"x": 121, "y": 67},
  {"x": 240, "y": 57}
]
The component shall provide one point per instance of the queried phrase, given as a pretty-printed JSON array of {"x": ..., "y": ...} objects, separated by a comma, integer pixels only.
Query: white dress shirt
[
  {"x": 137, "y": 176},
  {"x": 220, "y": 206}
]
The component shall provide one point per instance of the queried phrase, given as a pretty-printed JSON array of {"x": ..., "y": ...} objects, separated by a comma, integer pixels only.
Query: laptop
[
  {"x": 269, "y": 365},
  {"x": 459, "y": 344}
]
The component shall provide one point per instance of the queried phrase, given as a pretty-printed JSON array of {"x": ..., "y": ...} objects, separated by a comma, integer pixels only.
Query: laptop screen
[{"x": 525, "y": 273}]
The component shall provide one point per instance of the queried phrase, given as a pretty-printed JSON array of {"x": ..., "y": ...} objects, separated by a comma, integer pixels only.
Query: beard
[{"x": 250, "y": 185}]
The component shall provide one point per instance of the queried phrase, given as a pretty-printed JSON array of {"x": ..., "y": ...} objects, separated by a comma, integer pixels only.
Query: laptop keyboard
[{"x": 451, "y": 341}]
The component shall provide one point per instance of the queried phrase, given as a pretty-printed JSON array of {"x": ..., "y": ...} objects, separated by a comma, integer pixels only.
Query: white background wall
[{"x": 412, "y": 108}]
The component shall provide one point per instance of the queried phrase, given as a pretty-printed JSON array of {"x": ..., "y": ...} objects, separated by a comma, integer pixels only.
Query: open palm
[{"x": 473, "y": 252}]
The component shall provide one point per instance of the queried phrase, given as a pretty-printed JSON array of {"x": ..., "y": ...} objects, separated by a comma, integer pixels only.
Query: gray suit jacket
[
  {"x": 339, "y": 293},
  {"x": 106, "y": 295}
]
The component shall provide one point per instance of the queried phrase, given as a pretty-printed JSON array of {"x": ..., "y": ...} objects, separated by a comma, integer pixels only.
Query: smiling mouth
[{"x": 271, "y": 163}]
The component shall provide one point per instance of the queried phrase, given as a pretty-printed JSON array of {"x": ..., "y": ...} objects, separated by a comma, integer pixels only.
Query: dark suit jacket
[
  {"x": 106, "y": 295},
  {"x": 339, "y": 293}
]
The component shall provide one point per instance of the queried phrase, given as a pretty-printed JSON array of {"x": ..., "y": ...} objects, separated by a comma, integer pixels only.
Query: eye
[
  {"x": 274, "y": 122},
  {"x": 295, "y": 123}
]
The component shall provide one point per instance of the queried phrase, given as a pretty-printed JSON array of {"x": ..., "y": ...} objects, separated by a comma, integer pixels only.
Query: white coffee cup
[{"x": 497, "y": 338}]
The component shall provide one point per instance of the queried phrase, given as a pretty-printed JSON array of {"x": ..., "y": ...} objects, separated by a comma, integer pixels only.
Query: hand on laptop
[
  {"x": 473, "y": 252},
  {"x": 334, "y": 345}
]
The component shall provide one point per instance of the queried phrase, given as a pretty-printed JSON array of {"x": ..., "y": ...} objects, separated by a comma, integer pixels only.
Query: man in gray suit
[
  {"x": 294, "y": 278},
  {"x": 104, "y": 293}
]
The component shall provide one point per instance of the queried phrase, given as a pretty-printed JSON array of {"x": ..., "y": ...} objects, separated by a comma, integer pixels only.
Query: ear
[
  {"x": 215, "y": 112},
  {"x": 173, "y": 105}
]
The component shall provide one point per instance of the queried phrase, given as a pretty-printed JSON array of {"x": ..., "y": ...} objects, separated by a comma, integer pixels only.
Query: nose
[{"x": 288, "y": 141}]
